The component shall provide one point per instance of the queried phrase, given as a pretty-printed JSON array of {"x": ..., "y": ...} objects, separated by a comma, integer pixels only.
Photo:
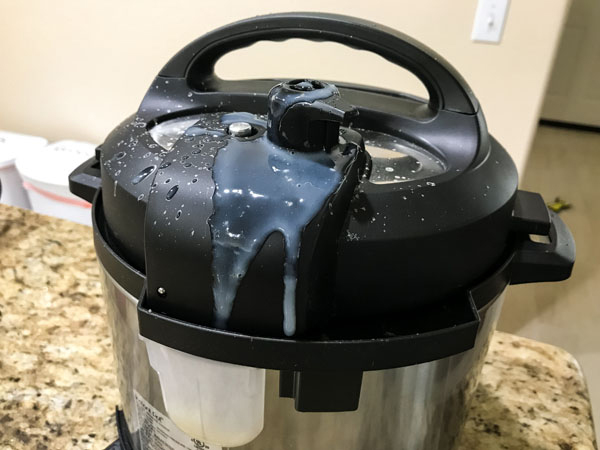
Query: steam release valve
[{"x": 306, "y": 115}]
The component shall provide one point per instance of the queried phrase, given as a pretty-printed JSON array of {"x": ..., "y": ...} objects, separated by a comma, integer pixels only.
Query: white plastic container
[
  {"x": 216, "y": 402},
  {"x": 13, "y": 145},
  {"x": 45, "y": 174}
]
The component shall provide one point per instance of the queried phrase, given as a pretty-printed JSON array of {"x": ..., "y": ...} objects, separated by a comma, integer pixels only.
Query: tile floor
[{"x": 566, "y": 163}]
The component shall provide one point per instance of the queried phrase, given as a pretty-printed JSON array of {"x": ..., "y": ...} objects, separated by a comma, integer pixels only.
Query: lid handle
[{"x": 447, "y": 89}]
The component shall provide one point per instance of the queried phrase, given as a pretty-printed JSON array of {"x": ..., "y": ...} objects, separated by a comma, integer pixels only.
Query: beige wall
[{"x": 74, "y": 69}]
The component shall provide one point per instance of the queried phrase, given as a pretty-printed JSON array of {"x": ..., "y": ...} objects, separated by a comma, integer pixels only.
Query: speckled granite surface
[
  {"x": 57, "y": 384},
  {"x": 530, "y": 396}
]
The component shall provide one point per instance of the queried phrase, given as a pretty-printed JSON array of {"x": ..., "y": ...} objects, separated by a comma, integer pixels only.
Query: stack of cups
[
  {"x": 13, "y": 146},
  {"x": 45, "y": 172}
]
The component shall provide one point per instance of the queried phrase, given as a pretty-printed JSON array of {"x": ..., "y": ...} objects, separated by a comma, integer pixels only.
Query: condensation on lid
[
  {"x": 166, "y": 133},
  {"x": 13, "y": 145},
  {"x": 53, "y": 164},
  {"x": 394, "y": 160}
]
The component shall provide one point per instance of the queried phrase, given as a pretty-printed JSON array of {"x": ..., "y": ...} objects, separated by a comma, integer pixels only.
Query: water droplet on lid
[
  {"x": 172, "y": 192},
  {"x": 165, "y": 165},
  {"x": 120, "y": 155},
  {"x": 178, "y": 215},
  {"x": 195, "y": 180},
  {"x": 167, "y": 181},
  {"x": 143, "y": 174}
]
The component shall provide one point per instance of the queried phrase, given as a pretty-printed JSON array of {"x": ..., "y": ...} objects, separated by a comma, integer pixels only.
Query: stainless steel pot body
[{"x": 420, "y": 407}]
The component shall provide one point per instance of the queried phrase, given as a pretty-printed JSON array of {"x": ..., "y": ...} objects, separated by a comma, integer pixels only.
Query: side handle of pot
[
  {"x": 86, "y": 180},
  {"x": 536, "y": 260}
]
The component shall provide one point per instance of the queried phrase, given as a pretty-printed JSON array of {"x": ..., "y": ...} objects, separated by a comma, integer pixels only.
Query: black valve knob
[{"x": 306, "y": 115}]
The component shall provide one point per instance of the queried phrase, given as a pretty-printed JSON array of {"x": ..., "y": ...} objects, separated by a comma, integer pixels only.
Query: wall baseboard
[{"x": 569, "y": 125}]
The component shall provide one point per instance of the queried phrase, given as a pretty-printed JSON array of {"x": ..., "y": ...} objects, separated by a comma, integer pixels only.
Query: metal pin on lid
[{"x": 240, "y": 129}]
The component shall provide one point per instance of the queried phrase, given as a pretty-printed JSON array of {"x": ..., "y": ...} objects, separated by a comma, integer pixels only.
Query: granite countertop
[{"x": 58, "y": 388}]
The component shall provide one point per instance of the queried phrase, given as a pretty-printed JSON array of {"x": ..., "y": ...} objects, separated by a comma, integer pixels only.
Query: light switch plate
[{"x": 489, "y": 20}]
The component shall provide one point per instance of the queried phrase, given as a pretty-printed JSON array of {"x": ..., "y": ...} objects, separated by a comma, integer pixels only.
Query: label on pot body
[{"x": 158, "y": 432}]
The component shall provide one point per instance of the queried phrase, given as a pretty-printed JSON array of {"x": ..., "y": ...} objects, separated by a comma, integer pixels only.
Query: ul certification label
[{"x": 158, "y": 432}]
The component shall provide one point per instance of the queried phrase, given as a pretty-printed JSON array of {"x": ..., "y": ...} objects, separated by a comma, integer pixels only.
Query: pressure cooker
[{"x": 294, "y": 264}]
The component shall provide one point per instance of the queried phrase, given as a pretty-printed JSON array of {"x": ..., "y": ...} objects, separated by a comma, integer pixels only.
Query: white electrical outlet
[{"x": 489, "y": 20}]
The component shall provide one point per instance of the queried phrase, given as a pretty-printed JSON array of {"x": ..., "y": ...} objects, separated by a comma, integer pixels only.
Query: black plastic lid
[{"x": 423, "y": 209}]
